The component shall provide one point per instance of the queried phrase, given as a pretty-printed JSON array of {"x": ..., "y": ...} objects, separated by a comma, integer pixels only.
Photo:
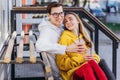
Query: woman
[{"x": 78, "y": 66}]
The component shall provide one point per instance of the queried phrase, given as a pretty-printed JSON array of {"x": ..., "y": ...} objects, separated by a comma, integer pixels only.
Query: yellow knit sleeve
[
  {"x": 96, "y": 57},
  {"x": 65, "y": 62}
]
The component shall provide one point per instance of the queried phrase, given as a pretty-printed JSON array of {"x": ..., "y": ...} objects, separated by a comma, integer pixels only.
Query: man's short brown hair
[{"x": 51, "y": 5}]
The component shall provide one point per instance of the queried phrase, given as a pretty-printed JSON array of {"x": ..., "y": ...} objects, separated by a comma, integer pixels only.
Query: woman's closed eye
[{"x": 69, "y": 19}]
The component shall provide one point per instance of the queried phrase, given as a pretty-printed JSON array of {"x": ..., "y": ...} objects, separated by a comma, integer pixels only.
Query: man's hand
[{"x": 75, "y": 47}]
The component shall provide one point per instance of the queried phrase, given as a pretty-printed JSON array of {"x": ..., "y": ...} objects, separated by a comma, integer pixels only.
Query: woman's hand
[{"x": 88, "y": 57}]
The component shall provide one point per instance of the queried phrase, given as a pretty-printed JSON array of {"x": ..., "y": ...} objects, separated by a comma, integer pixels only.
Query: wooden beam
[
  {"x": 48, "y": 70},
  {"x": 32, "y": 48},
  {"x": 19, "y": 58},
  {"x": 8, "y": 54}
]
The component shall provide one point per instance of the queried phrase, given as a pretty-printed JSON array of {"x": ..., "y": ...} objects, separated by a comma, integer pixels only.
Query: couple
[{"x": 69, "y": 54}]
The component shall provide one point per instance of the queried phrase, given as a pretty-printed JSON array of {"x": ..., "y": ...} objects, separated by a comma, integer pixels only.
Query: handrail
[
  {"x": 89, "y": 27},
  {"x": 4, "y": 47}
]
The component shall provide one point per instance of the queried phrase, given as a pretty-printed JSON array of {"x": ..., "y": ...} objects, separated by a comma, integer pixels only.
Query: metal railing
[{"x": 98, "y": 26}]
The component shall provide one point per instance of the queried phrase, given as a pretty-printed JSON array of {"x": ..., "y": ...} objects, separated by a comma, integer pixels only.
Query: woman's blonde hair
[{"x": 82, "y": 30}]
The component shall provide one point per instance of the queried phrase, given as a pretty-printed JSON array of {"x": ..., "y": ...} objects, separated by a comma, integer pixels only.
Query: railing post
[
  {"x": 96, "y": 40},
  {"x": 114, "y": 55},
  {"x": 91, "y": 35},
  {"x": 12, "y": 21}
]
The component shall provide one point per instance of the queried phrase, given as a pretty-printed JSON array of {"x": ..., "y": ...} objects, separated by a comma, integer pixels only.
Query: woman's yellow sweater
[{"x": 69, "y": 62}]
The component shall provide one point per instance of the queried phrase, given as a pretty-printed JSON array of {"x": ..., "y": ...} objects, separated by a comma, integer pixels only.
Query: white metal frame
[{"x": 4, "y": 20}]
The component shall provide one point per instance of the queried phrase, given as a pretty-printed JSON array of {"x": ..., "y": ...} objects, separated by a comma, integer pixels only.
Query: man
[{"x": 50, "y": 31}]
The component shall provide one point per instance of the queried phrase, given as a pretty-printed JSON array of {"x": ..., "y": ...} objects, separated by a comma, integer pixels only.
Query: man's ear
[{"x": 48, "y": 15}]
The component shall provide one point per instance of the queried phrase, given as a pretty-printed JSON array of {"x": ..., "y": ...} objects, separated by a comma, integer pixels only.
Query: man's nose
[{"x": 59, "y": 15}]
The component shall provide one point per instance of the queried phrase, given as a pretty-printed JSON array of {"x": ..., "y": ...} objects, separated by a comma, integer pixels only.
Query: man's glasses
[{"x": 57, "y": 14}]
